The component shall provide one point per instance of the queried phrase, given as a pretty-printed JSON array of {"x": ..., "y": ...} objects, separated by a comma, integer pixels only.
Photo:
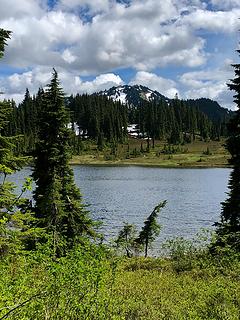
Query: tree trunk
[{"x": 146, "y": 247}]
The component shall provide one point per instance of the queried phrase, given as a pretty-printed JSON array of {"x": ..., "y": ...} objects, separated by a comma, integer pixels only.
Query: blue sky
[{"x": 183, "y": 46}]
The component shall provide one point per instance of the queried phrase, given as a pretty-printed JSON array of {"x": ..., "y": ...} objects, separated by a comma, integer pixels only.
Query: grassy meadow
[
  {"x": 196, "y": 154},
  {"x": 92, "y": 283}
]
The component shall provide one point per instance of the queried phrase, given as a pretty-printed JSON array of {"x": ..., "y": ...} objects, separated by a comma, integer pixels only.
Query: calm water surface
[{"x": 118, "y": 194}]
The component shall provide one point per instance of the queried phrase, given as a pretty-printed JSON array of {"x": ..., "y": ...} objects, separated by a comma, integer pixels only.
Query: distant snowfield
[
  {"x": 126, "y": 94},
  {"x": 148, "y": 95},
  {"x": 120, "y": 96}
]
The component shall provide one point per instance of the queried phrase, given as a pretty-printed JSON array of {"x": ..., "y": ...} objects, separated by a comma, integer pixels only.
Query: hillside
[
  {"x": 133, "y": 95},
  {"x": 136, "y": 94},
  {"x": 211, "y": 108}
]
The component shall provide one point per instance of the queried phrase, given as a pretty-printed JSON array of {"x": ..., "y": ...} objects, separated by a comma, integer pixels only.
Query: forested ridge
[{"x": 99, "y": 118}]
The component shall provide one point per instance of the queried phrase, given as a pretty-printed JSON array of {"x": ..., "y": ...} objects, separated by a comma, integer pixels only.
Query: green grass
[
  {"x": 161, "y": 293},
  {"x": 197, "y": 154},
  {"x": 90, "y": 283}
]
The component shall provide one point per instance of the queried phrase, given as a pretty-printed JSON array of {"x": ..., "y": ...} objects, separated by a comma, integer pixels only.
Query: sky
[{"x": 172, "y": 46}]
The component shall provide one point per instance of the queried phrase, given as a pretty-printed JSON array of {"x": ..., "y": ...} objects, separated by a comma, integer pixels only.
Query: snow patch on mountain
[
  {"x": 119, "y": 96},
  {"x": 148, "y": 95},
  {"x": 132, "y": 95}
]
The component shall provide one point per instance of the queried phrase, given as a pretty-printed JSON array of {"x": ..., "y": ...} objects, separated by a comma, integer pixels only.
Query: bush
[{"x": 77, "y": 286}]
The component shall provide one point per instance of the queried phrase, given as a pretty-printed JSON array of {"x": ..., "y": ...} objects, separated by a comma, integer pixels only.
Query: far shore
[
  {"x": 198, "y": 154},
  {"x": 177, "y": 162}
]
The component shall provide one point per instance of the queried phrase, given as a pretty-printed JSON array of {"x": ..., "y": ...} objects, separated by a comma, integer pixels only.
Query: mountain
[
  {"x": 211, "y": 108},
  {"x": 133, "y": 95}
]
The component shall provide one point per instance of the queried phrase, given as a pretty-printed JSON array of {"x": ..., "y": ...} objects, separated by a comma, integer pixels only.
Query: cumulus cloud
[
  {"x": 73, "y": 84},
  {"x": 210, "y": 83},
  {"x": 38, "y": 41},
  {"x": 165, "y": 86},
  {"x": 217, "y": 21},
  {"x": 93, "y": 6},
  {"x": 14, "y": 86},
  {"x": 92, "y": 37},
  {"x": 19, "y": 9},
  {"x": 143, "y": 35}
]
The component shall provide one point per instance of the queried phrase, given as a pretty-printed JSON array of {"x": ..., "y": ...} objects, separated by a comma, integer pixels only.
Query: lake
[{"x": 129, "y": 194}]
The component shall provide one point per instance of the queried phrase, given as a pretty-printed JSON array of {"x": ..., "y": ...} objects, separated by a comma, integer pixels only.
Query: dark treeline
[
  {"x": 176, "y": 121},
  {"x": 92, "y": 117},
  {"x": 101, "y": 119},
  {"x": 24, "y": 122}
]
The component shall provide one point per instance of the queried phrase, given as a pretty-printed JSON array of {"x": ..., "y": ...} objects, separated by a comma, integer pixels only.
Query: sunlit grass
[
  {"x": 90, "y": 284},
  {"x": 197, "y": 154}
]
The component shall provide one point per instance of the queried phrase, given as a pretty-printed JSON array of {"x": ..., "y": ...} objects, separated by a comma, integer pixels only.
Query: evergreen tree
[
  {"x": 228, "y": 230},
  {"x": 58, "y": 201},
  {"x": 126, "y": 239},
  {"x": 4, "y": 36},
  {"x": 151, "y": 228},
  {"x": 14, "y": 210}
]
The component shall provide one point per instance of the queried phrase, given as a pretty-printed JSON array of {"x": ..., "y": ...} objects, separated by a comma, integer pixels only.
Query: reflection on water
[{"x": 118, "y": 194}]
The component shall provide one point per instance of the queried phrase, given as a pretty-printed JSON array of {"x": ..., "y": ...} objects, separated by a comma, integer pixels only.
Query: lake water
[{"x": 129, "y": 194}]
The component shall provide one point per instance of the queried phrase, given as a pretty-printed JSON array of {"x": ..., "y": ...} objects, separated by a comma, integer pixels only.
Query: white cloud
[
  {"x": 209, "y": 84},
  {"x": 14, "y": 86},
  {"x": 93, "y": 6},
  {"x": 19, "y": 9},
  {"x": 143, "y": 35},
  {"x": 73, "y": 84},
  {"x": 68, "y": 56},
  {"x": 39, "y": 41},
  {"x": 217, "y": 21},
  {"x": 165, "y": 86}
]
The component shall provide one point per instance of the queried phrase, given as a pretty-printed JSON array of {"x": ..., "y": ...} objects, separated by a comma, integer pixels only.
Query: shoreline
[{"x": 120, "y": 163}]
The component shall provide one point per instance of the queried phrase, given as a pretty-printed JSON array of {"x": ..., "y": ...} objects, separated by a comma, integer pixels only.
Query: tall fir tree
[
  {"x": 13, "y": 208},
  {"x": 58, "y": 202},
  {"x": 228, "y": 230},
  {"x": 7, "y": 165}
]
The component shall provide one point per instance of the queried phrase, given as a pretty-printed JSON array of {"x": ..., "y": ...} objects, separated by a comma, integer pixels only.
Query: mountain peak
[{"x": 132, "y": 94}]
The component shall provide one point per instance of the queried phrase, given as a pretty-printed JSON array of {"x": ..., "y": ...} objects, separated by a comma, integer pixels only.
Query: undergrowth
[{"x": 92, "y": 283}]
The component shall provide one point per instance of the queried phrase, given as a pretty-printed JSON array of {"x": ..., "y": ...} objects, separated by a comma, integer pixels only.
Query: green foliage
[
  {"x": 77, "y": 286},
  {"x": 126, "y": 239},
  {"x": 151, "y": 228},
  {"x": 132, "y": 245},
  {"x": 4, "y": 36},
  {"x": 58, "y": 202},
  {"x": 15, "y": 212},
  {"x": 170, "y": 149},
  {"x": 228, "y": 229},
  {"x": 177, "y": 121},
  {"x": 90, "y": 283},
  {"x": 16, "y": 219},
  {"x": 189, "y": 254},
  {"x": 155, "y": 291},
  {"x": 104, "y": 121},
  {"x": 99, "y": 118},
  {"x": 182, "y": 253}
]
